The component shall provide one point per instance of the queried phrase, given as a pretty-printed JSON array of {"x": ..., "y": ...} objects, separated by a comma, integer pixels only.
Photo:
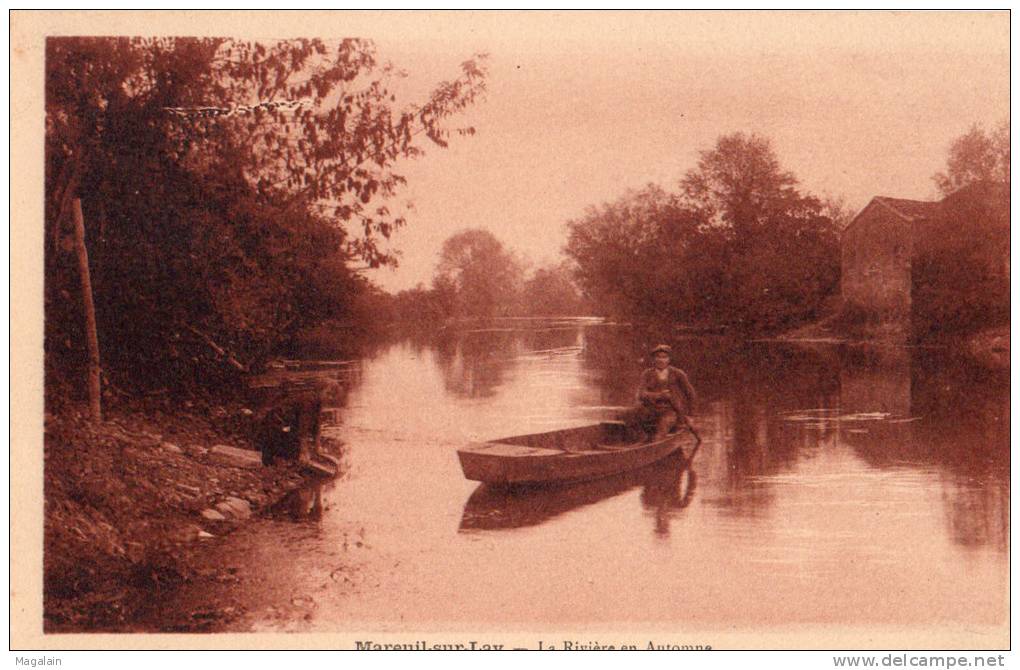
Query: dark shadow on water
[
  {"x": 501, "y": 508},
  {"x": 957, "y": 424},
  {"x": 668, "y": 491}
]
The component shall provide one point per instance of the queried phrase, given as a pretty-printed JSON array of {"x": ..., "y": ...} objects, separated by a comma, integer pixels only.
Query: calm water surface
[{"x": 835, "y": 485}]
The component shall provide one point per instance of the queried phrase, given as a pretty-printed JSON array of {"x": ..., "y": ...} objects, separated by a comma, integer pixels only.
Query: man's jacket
[{"x": 681, "y": 393}]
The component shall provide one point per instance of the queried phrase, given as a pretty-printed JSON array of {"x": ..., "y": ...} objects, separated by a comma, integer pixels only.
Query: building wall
[{"x": 877, "y": 248}]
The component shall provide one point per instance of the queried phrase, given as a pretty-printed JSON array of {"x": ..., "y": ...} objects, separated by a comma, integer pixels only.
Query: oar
[
  {"x": 690, "y": 427},
  {"x": 694, "y": 451}
]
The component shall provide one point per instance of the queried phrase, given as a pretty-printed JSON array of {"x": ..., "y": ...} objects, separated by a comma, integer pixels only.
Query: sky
[{"x": 583, "y": 106}]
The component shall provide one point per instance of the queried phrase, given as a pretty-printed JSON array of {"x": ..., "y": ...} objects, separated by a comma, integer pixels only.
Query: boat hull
[{"x": 505, "y": 463}]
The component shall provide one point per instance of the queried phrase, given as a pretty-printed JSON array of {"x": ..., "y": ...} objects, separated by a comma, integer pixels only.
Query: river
[{"x": 836, "y": 486}]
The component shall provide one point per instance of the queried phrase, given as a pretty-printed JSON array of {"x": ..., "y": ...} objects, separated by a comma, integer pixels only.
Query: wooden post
[{"x": 91, "y": 338}]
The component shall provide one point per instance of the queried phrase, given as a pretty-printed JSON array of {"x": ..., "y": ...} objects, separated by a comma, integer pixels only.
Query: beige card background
[{"x": 28, "y": 33}]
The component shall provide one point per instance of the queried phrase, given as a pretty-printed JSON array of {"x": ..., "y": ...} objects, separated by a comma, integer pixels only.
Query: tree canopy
[
  {"x": 960, "y": 274},
  {"x": 737, "y": 246},
  {"x": 976, "y": 156},
  {"x": 218, "y": 221},
  {"x": 477, "y": 275}
]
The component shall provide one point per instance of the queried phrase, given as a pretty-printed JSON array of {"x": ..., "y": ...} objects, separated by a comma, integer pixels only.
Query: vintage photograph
[{"x": 428, "y": 330}]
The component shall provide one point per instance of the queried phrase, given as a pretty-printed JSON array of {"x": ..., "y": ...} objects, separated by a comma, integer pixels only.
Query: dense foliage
[
  {"x": 960, "y": 273},
  {"x": 477, "y": 276},
  {"x": 550, "y": 291},
  {"x": 736, "y": 246},
  {"x": 215, "y": 235},
  {"x": 976, "y": 156},
  {"x": 961, "y": 270}
]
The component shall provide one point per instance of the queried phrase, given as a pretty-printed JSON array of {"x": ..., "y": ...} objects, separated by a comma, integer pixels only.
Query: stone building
[
  {"x": 878, "y": 246},
  {"x": 940, "y": 262}
]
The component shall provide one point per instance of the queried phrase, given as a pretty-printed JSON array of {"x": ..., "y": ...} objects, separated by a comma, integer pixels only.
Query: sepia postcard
[{"x": 465, "y": 330}]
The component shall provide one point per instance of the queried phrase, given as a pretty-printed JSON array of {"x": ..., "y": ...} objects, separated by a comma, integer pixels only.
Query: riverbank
[
  {"x": 989, "y": 347},
  {"x": 838, "y": 328},
  {"x": 132, "y": 502}
]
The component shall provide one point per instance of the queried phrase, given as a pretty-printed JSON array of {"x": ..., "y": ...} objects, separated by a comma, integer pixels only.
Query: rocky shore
[{"x": 130, "y": 504}]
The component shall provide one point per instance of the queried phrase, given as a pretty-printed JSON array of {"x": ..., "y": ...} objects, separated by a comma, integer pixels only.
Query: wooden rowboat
[
  {"x": 574, "y": 454},
  {"x": 493, "y": 507}
]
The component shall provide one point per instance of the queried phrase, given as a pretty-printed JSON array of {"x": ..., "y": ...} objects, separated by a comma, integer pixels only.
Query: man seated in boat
[{"x": 666, "y": 397}]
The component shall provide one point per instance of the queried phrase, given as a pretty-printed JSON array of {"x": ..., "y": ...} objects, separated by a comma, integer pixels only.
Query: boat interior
[{"x": 608, "y": 435}]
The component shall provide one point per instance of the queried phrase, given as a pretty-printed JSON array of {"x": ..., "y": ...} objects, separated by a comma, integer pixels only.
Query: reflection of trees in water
[
  {"x": 742, "y": 390},
  {"x": 978, "y": 516},
  {"x": 613, "y": 362},
  {"x": 548, "y": 339},
  {"x": 965, "y": 429},
  {"x": 784, "y": 375},
  {"x": 875, "y": 379},
  {"x": 760, "y": 442},
  {"x": 745, "y": 388},
  {"x": 948, "y": 413},
  {"x": 474, "y": 364}
]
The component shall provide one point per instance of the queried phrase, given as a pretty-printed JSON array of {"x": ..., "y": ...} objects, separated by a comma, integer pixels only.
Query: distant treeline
[
  {"x": 738, "y": 246},
  {"x": 224, "y": 194},
  {"x": 479, "y": 278}
]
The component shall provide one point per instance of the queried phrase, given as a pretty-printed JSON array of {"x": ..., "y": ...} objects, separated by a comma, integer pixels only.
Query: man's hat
[{"x": 662, "y": 347}]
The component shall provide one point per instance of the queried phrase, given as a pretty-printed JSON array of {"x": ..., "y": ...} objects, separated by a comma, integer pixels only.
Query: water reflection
[
  {"x": 496, "y": 508},
  {"x": 833, "y": 483},
  {"x": 770, "y": 407},
  {"x": 945, "y": 414},
  {"x": 474, "y": 363},
  {"x": 896, "y": 407},
  {"x": 670, "y": 490}
]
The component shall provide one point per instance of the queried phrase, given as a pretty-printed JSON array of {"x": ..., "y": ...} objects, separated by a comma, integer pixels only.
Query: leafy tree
[
  {"x": 738, "y": 246},
  {"x": 419, "y": 307},
  {"x": 779, "y": 254},
  {"x": 626, "y": 254},
  {"x": 739, "y": 184},
  {"x": 550, "y": 291},
  {"x": 974, "y": 157},
  {"x": 478, "y": 275},
  {"x": 216, "y": 234},
  {"x": 961, "y": 270}
]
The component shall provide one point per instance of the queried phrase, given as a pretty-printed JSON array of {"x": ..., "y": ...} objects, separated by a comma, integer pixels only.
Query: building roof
[
  {"x": 911, "y": 210},
  {"x": 908, "y": 210}
]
